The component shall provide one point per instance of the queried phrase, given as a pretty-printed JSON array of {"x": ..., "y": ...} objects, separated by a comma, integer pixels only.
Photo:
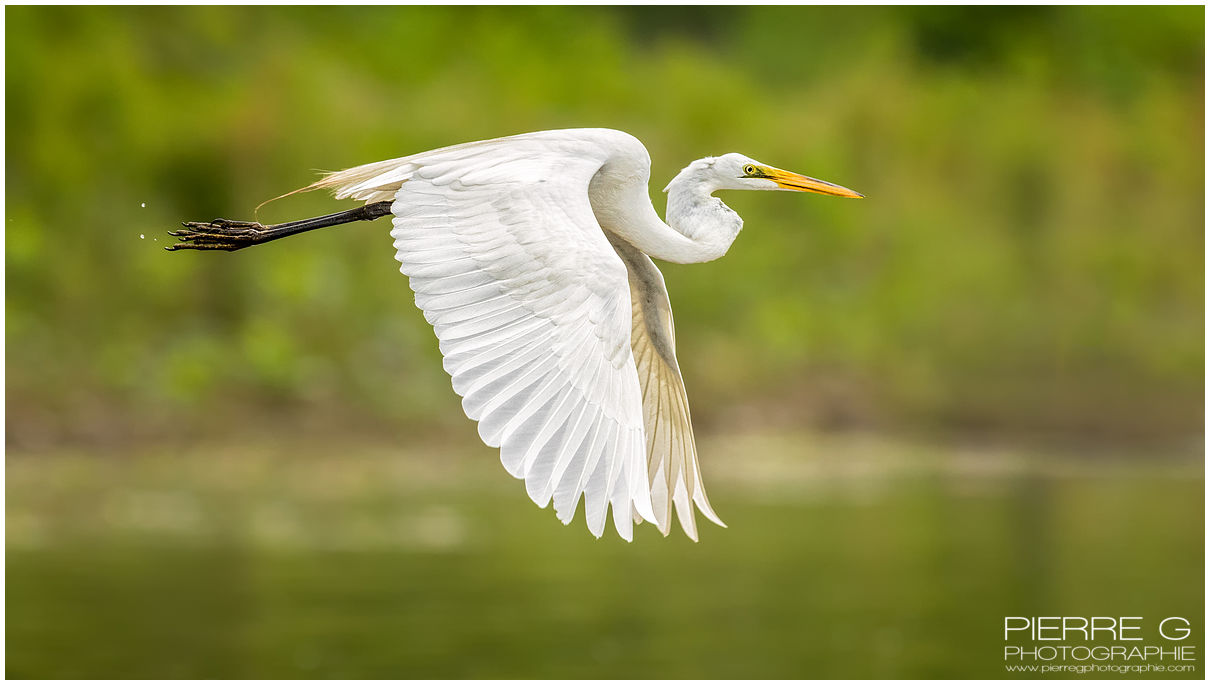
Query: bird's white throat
[{"x": 703, "y": 218}]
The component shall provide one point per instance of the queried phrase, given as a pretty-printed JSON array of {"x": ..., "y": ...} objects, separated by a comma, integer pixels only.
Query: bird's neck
[
  {"x": 700, "y": 227},
  {"x": 702, "y": 218}
]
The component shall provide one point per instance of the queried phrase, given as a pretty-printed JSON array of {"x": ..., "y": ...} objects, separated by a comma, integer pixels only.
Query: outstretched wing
[
  {"x": 532, "y": 309},
  {"x": 676, "y": 479}
]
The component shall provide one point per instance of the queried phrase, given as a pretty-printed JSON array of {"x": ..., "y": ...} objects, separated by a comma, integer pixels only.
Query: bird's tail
[{"x": 369, "y": 183}]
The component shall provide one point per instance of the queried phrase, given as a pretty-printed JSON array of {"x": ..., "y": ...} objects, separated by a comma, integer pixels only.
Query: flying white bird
[{"x": 531, "y": 257}]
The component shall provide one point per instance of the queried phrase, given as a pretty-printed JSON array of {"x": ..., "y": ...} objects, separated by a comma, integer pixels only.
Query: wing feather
[
  {"x": 676, "y": 479},
  {"x": 531, "y": 307}
]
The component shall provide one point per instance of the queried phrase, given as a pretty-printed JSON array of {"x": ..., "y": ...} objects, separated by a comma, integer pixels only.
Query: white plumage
[{"x": 529, "y": 257}]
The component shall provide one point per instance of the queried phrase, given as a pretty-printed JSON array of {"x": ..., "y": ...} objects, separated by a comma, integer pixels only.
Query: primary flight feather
[{"x": 531, "y": 257}]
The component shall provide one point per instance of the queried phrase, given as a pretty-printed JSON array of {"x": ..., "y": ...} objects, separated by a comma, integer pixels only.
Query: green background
[{"x": 976, "y": 393}]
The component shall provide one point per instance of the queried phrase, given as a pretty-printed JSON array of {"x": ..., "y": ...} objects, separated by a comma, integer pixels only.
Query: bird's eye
[{"x": 749, "y": 170}]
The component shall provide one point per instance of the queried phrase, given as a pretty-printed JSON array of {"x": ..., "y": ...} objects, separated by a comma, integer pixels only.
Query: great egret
[{"x": 531, "y": 257}]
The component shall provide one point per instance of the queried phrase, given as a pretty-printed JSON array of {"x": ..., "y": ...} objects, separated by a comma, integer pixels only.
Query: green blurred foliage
[{"x": 1029, "y": 256}]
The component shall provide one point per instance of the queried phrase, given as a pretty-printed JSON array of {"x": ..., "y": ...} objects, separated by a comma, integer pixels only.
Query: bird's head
[{"x": 734, "y": 171}]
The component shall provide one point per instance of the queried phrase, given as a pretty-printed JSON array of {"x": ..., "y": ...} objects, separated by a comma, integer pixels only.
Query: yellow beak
[{"x": 792, "y": 181}]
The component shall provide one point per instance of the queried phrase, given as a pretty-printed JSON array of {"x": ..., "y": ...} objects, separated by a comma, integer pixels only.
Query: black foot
[
  {"x": 220, "y": 234},
  {"x": 224, "y": 234}
]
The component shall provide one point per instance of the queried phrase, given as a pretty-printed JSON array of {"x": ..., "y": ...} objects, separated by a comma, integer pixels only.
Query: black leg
[{"x": 223, "y": 234}]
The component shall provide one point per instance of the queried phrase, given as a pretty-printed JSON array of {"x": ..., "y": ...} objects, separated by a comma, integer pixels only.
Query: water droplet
[
  {"x": 142, "y": 204},
  {"x": 141, "y": 236}
]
